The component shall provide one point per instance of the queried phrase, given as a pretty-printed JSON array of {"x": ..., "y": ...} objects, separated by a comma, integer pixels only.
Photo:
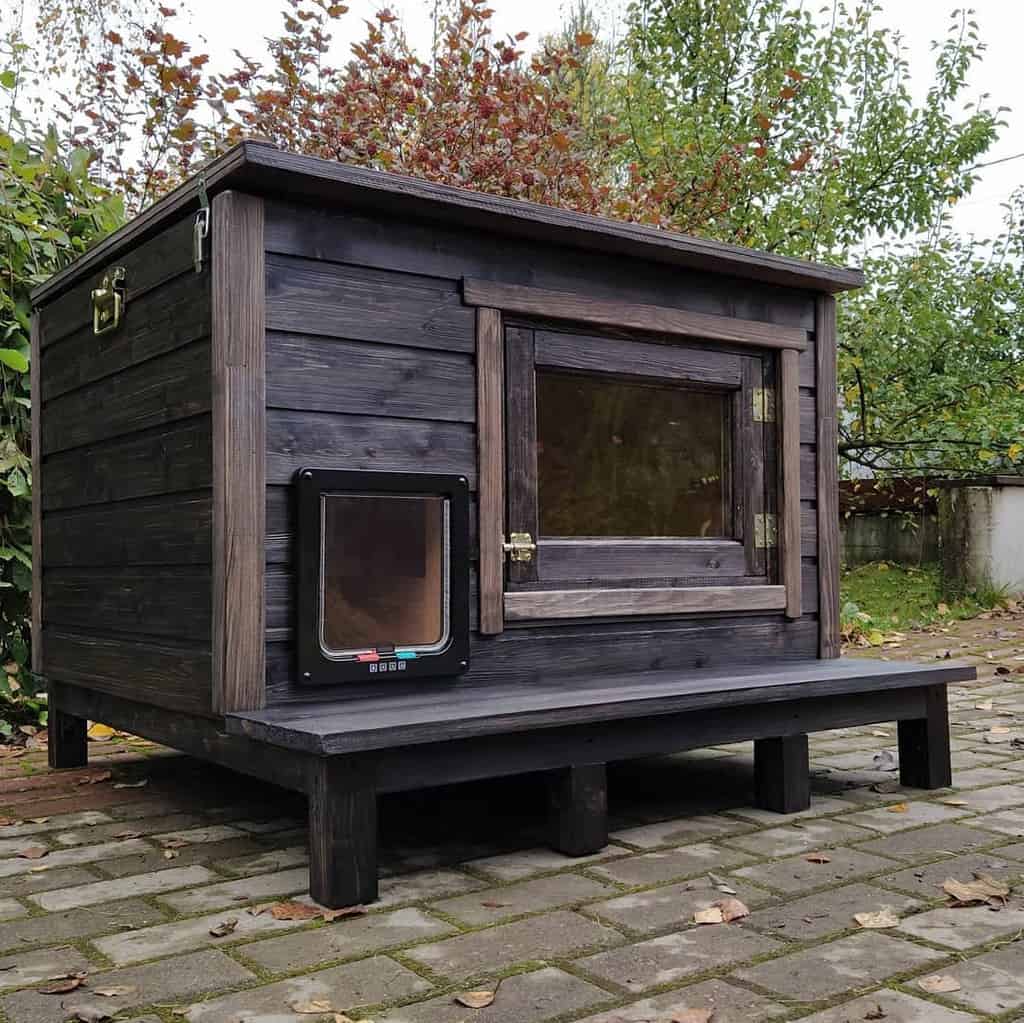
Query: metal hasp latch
[
  {"x": 109, "y": 301},
  {"x": 766, "y": 531},
  {"x": 520, "y": 547}
]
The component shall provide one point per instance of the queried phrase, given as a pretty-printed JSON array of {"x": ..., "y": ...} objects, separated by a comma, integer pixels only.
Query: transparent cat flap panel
[{"x": 384, "y": 573}]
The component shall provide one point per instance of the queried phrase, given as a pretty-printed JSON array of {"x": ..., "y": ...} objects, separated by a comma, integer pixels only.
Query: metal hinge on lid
[
  {"x": 520, "y": 547},
  {"x": 766, "y": 531},
  {"x": 201, "y": 227},
  {"x": 764, "y": 405}
]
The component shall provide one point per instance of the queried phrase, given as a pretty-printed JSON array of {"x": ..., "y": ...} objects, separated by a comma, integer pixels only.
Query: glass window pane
[
  {"x": 383, "y": 573},
  {"x": 622, "y": 458}
]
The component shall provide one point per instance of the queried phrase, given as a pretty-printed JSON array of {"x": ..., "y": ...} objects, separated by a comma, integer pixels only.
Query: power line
[{"x": 1002, "y": 159}]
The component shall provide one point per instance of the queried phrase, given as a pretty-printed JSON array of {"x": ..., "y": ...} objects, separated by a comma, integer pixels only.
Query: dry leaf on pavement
[
  {"x": 984, "y": 705},
  {"x": 876, "y": 1013},
  {"x": 34, "y": 852},
  {"x": 115, "y": 991},
  {"x": 475, "y": 999},
  {"x": 818, "y": 858},
  {"x": 898, "y": 808},
  {"x": 222, "y": 930},
  {"x": 132, "y": 784},
  {"x": 172, "y": 843},
  {"x": 954, "y": 802},
  {"x": 313, "y": 1007},
  {"x": 872, "y": 921},
  {"x": 711, "y": 915},
  {"x": 89, "y": 1014},
  {"x": 693, "y": 1016},
  {"x": 170, "y": 854},
  {"x": 981, "y": 889},
  {"x": 732, "y": 909},
  {"x": 294, "y": 911},
  {"x": 95, "y": 779},
  {"x": 330, "y": 915},
  {"x": 62, "y": 985},
  {"x": 939, "y": 984}
]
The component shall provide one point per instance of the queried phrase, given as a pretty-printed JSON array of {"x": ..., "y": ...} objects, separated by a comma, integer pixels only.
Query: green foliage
[
  {"x": 50, "y": 210},
  {"x": 812, "y": 114}
]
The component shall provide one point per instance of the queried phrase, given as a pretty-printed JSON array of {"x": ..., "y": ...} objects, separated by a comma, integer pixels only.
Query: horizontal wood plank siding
[
  {"x": 125, "y": 484},
  {"x": 370, "y": 364}
]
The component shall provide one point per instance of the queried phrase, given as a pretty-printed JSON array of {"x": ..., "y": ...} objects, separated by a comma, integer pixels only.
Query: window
[{"x": 383, "y": 575}]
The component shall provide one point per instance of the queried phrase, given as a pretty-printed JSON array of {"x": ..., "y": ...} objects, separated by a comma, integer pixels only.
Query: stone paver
[
  {"x": 799, "y": 874},
  {"x": 673, "y": 957},
  {"x": 607, "y": 938},
  {"x": 525, "y": 997},
  {"x": 343, "y": 988},
  {"x": 560, "y": 933},
  {"x": 729, "y": 1004},
  {"x": 891, "y": 1006},
  {"x": 828, "y": 912},
  {"x": 176, "y": 980},
  {"x": 824, "y": 971}
]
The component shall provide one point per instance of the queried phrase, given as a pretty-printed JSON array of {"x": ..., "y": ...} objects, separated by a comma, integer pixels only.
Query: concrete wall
[
  {"x": 869, "y": 537},
  {"x": 981, "y": 536}
]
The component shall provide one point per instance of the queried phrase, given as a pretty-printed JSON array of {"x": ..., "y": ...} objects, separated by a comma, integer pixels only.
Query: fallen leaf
[
  {"x": 36, "y": 820},
  {"x": 475, "y": 999},
  {"x": 311, "y": 1008},
  {"x": 879, "y": 734},
  {"x": 885, "y": 787},
  {"x": 132, "y": 784},
  {"x": 170, "y": 854},
  {"x": 954, "y": 802},
  {"x": 114, "y": 992},
  {"x": 885, "y": 761},
  {"x": 981, "y": 889},
  {"x": 34, "y": 852},
  {"x": 62, "y": 985},
  {"x": 100, "y": 733},
  {"x": 711, "y": 915},
  {"x": 939, "y": 984},
  {"x": 127, "y": 834},
  {"x": 999, "y": 730},
  {"x": 880, "y": 919},
  {"x": 898, "y": 808},
  {"x": 6, "y": 822},
  {"x": 294, "y": 911},
  {"x": 876, "y": 1013},
  {"x": 732, "y": 909},
  {"x": 95, "y": 779},
  {"x": 257, "y": 910},
  {"x": 993, "y": 737},
  {"x": 89, "y": 1014},
  {"x": 172, "y": 843},
  {"x": 984, "y": 705},
  {"x": 340, "y": 1017},
  {"x": 818, "y": 858},
  {"x": 495, "y": 905},
  {"x": 222, "y": 930},
  {"x": 330, "y": 915},
  {"x": 693, "y": 1016}
]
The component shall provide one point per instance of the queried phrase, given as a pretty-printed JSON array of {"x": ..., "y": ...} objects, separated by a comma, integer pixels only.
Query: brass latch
[
  {"x": 520, "y": 547},
  {"x": 766, "y": 531},
  {"x": 108, "y": 301},
  {"x": 764, "y": 405}
]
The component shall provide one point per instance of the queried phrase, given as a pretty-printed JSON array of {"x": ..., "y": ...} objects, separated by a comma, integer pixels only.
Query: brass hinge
[
  {"x": 520, "y": 547},
  {"x": 109, "y": 300},
  {"x": 766, "y": 531},
  {"x": 764, "y": 405}
]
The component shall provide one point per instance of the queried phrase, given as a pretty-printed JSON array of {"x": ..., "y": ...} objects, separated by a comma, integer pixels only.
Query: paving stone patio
[{"x": 160, "y": 892}]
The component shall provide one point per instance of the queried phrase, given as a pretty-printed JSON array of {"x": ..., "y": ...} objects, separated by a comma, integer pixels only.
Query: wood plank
[
  {"x": 36, "y": 444},
  {"x": 782, "y": 777},
  {"x": 534, "y": 604},
  {"x": 490, "y": 371},
  {"x": 429, "y": 714},
  {"x": 827, "y": 482},
  {"x": 239, "y": 452},
  {"x": 154, "y": 262},
  {"x": 521, "y": 446},
  {"x": 327, "y": 440},
  {"x": 158, "y": 601},
  {"x": 167, "y": 317},
  {"x": 307, "y": 296},
  {"x": 749, "y": 461},
  {"x": 789, "y": 481},
  {"x": 163, "y": 390},
  {"x": 568, "y": 560},
  {"x": 342, "y": 832},
  {"x": 167, "y": 459},
  {"x": 318, "y": 374},
  {"x": 639, "y": 358},
  {"x": 164, "y": 673},
  {"x": 583, "y": 308},
  {"x": 167, "y": 530}
]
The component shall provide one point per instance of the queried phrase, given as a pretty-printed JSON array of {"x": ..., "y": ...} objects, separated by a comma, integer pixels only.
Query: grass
[{"x": 884, "y": 597}]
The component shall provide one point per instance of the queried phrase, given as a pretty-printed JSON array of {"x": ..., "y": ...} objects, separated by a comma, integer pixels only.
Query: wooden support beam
[
  {"x": 924, "y": 745},
  {"x": 782, "y": 778},
  {"x": 578, "y": 809},
  {"x": 68, "y": 745},
  {"x": 490, "y": 431},
  {"x": 828, "y": 476},
  {"x": 342, "y": 832},
  {"x": 789, "y": 488}
]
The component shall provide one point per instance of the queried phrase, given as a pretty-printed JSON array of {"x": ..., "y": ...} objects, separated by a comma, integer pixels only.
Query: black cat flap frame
[{"x": 383, "y": 575}]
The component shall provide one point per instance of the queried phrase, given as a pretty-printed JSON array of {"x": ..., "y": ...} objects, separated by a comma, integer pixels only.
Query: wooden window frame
[{"x": 501, "y": 380}]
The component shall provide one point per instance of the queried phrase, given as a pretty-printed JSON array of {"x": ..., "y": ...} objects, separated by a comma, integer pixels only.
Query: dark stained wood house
[{"x": 359, "y": 483}]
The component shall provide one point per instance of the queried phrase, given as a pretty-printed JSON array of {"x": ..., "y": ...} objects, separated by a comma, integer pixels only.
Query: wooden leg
[
  {"x": 578, "y": 809},
  {"x": 782, "y": 777},
  {"x": 342, "y": 832},
  {"x": 924, "y": 745},
  {"x": 67, "y": 743}
]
